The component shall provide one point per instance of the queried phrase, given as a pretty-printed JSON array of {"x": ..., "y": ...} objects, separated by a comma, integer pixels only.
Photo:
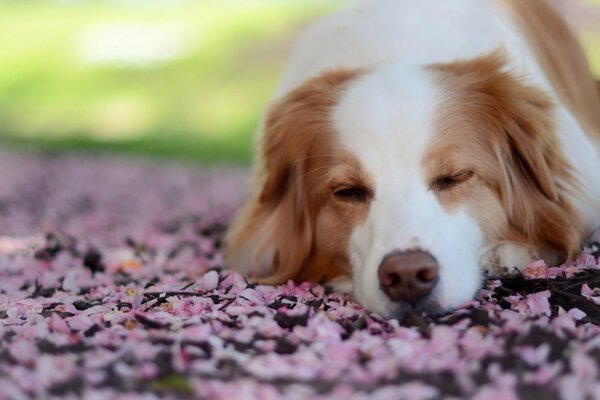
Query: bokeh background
[{"x": 162, "y": 78}]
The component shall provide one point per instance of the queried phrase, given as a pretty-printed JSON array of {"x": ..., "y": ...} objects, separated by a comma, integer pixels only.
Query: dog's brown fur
[
  {"x": 562, "y": 57},
  {"x": 285, "y": 223},
  {"x": 502, "y": 130}
]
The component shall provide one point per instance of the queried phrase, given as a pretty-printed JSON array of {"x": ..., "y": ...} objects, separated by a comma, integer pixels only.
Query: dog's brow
[
  {"x": 317, "y": 169},
  {"x": 315, "y": 156}
]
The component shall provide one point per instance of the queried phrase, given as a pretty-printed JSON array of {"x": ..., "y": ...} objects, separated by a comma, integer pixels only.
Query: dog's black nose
[{"x": 408, "y": 276}]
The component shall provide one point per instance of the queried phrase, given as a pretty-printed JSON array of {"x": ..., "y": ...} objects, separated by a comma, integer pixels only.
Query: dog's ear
[
  {"x": 528, "y": 170},
  {"x": 537, "y": 180},
  {"x": 272, "y": 239}
]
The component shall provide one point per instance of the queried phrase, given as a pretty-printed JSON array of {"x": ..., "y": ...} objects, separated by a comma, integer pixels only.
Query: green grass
[
  {"x": 591, "y": 42},
  {"x": 203, "y": 105},
  {"x": 592, "y": 45}
]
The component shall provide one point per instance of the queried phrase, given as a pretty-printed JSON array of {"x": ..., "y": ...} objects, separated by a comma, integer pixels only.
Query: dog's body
[{"x": 435, "y": 137}]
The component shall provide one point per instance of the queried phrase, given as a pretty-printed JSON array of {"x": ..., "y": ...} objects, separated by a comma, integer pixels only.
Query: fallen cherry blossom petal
[{"x": 115, "y": 288}]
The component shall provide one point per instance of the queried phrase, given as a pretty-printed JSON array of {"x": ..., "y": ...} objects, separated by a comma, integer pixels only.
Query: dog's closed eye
[
  {"x": 351, "y": 194},
  {"x": 446, "y": 182}
]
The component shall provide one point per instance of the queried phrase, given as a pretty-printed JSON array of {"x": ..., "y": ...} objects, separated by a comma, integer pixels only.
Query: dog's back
[
  {"x": 367, "y": 33},
  {"x": 562, "y": 58}
]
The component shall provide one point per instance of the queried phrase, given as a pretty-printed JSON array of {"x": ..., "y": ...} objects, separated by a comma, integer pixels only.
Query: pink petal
[
  {"x": 23, "y": 351},
  {"x": 536, "y": 270},
  {"x": 210, "y": 281},
  {"x": 538, "y": 303},
  {"x": 57, "y": 324},
  {"x": 577, "y": 314}
]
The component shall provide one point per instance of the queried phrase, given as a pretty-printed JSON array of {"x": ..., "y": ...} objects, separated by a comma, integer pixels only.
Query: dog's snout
[{"x": 408, "y": 276}]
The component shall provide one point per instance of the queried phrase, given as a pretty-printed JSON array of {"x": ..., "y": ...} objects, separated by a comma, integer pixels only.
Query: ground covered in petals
[{"x": 112, "y": 283}]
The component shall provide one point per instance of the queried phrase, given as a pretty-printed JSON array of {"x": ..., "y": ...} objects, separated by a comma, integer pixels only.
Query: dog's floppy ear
[
  {"x": 537, "y": 179},
  {"x": 272, "y": 238},
  {"x": 533, "y": 178}
]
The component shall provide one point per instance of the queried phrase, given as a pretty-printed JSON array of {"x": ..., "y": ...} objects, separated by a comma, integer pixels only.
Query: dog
[{"x": 414, "y": 147}]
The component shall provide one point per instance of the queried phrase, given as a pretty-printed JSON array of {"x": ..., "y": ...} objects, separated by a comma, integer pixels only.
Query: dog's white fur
[{"x": 385, "y": 118}]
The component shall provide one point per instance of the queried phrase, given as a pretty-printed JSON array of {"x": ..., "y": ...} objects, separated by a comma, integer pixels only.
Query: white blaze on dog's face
[
  {"x": 406, "y": 181},
  {"x": 387, "y": 120}
]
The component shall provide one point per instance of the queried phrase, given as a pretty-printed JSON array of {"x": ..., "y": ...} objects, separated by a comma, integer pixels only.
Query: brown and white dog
[{"x": 414, "y": 146}]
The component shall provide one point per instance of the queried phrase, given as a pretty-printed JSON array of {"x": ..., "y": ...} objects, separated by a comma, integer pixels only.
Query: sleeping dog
[{"x": 414, "y": 146}]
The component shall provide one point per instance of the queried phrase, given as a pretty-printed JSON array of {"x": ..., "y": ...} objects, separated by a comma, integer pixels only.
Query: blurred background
[{"x": 163, "y": 78}]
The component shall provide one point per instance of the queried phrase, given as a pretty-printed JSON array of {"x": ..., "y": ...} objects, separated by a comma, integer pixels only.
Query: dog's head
[{"x": 403, "y": 180}]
